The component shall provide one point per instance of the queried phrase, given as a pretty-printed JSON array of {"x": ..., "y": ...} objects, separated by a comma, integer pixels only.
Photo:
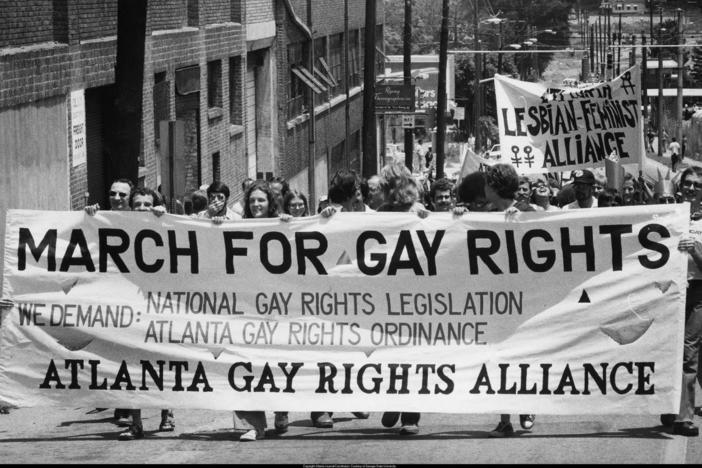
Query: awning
[{"x": 307, "y": 78}]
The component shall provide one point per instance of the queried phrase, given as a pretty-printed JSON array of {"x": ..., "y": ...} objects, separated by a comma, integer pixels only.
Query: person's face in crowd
[
  {"x": 690, "y": 187},
  {"x": 357, "y": 203},
  {"x": 216, "y": 202},
  {"x": 597, "y": 189},
  {"x": 542, "y": 192},
  {"x": 582, "y": 191},
  {"x": 119, "y": 196},
  {"x": 524, "y": 192},
  {"x": 666, "y": 199},
  {"x": 628, "y": 191},
  {"x": 442, "y": 200},
  {"x": 142, "y": 203},
  {"x": 375, "y": 193},
  {"x": 258, "y": 204},
  {"x": 296, "y": 206}
]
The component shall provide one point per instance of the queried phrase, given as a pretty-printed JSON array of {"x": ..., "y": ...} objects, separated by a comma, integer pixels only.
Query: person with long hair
[
  {"x": 259, "y": 202},
  {"x": 295, "y": 204}
]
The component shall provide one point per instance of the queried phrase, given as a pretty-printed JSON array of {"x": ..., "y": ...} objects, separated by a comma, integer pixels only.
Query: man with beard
[{"x": 583, "y": 180}]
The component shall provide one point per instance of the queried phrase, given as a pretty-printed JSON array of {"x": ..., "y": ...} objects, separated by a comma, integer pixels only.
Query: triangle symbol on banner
[
  {"x": 67, "y": 285},
  {"x": 344, "y": 259},
  {"x": 584, "y": 298}
]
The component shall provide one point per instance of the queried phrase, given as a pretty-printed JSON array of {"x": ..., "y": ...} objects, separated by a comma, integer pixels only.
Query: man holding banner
[{"x": 691, "y": 186}]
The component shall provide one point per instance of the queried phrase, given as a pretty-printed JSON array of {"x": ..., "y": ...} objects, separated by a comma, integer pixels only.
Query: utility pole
[
  {"x": 347, "y": 104},
  {"x": 370, "y": 160},
  {"x": 592, "y": 48},
  {"x": 476, "y": 87},
  {"x": 499, "y": 47},
  {"x": 129, "y": 82},
  {"x": 407, "y": 75},
  {"x": 644, "y": 73},
  {"x": 311, "y": 153},
  {"x": 441, "y": 93},
  {"x": 679, "y": 100},
  {"x": 619, "y": 49},
  {"x": 660, "y": 87}
]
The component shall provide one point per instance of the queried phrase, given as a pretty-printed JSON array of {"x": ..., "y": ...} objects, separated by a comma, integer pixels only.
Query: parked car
[{"x": 493, "y": 153}]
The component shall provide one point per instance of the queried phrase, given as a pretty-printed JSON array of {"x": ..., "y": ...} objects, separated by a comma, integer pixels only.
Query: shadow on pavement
[
  {"x": 108, "y": 419},
  {"x": 658, "y": 432}
]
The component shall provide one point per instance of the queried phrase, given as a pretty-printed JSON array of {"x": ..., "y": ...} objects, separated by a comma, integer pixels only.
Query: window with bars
[{"x": 297, "y": 90}]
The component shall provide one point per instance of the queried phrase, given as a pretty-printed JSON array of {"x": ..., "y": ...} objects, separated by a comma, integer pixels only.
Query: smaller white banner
[
  {"x": 78, "y": 127},
  {"x": 547, "y": 130}
]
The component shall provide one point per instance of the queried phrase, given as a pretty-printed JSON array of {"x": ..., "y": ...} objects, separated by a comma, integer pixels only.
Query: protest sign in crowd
[{"x": 497, "y": 293}]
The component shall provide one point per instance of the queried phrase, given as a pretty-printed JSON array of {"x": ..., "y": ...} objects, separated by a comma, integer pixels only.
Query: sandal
[{"x": 134, "y": 432}]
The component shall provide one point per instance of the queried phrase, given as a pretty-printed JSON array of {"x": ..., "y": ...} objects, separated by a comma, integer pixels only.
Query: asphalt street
[{"x": 80, "y": 435}]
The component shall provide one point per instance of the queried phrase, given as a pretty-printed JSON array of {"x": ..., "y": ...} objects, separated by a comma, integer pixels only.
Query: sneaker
[
  {"x": 409, "y": 429},
  {"x": 249, "y": 436},
  {"x": 526, "y": 421},
  {"x": 502, "y": 430},
  {"x": 167, "y": 425},
  {"x": 134, "y": 432},
  {"x": 122, "y": 418},
  {"x": 686, "y": 428},
  {"x": 324, "y": 421},
  {"x": 361, "y": 414},
  {"x": 389, "y": 419},
  {"x": 281, "y": 423},
  {"x": 668, "y": 419}
]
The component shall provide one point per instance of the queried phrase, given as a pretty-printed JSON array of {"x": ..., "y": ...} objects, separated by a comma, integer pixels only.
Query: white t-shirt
[{"x": 674, "y": 147}]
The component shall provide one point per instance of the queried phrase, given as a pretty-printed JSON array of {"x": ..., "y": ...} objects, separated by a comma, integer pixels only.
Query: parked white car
[{"x": 493, "y": 153}]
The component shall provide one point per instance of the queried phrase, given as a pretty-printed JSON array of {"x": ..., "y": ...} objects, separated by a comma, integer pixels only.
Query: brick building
[{"x": 234, "y": 72}]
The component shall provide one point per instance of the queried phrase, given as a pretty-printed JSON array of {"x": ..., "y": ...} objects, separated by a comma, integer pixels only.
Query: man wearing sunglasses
[
  {"x": 120, "y": 193},
  {"x": 691, "y": 189}
]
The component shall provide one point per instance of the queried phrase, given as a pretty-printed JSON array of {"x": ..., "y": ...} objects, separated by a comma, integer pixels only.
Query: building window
[
  {"x": 362, "y": 52},
  {"x": 320, "y": 56},
  {"x": 235, "y": 92},
  {"x": 355, "y": 74},
  {"x": 161, "y": 93},
  {"x": 216, "y": 171},
  {"x": 297, "y": 90},
  {"x": 193, "y": 13},
  {"x": 336, "y": 60},
  {"x": 235, "y": 11},
  {"x": 214, "y": 83},
  {"x": 379, "y": 47}
]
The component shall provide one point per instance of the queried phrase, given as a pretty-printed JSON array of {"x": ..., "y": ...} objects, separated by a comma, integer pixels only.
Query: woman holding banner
[{"x": 259, "y": 202}]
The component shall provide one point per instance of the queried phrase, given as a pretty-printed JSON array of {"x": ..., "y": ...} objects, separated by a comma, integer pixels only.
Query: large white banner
[
  {"x": 573, "y": 312},
  {"x": 546, "y": 130}
]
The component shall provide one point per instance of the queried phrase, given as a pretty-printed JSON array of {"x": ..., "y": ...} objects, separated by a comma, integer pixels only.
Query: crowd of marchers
[{"x": 495, "y": 188}]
